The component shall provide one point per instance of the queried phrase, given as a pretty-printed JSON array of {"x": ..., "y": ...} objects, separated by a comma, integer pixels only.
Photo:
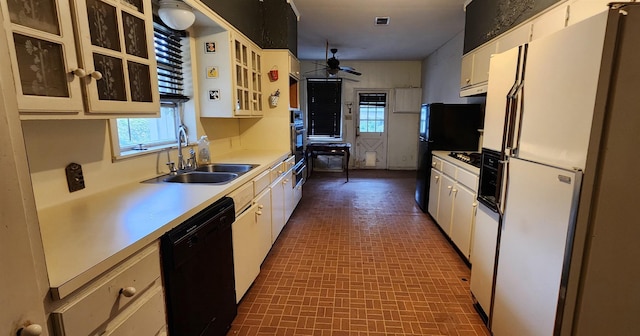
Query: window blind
[{"x": 168, "y": 47}]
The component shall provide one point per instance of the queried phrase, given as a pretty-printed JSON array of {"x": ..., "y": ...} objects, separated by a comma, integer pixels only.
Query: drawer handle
[
  {"x": 30, "y": 330},
  {"x": 128, "y": 291}
]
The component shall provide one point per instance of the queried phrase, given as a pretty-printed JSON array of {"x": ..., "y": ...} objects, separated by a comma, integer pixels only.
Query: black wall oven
[{"x": 297, "y": 135}]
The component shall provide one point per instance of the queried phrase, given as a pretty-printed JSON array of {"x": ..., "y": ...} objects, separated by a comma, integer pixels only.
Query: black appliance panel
[
  {"x": 198, "y": 271},
  {"x": 490, "y": 180}
]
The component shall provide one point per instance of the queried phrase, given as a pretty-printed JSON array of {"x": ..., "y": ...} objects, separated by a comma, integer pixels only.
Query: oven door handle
[{"x": 300, "y": 131}]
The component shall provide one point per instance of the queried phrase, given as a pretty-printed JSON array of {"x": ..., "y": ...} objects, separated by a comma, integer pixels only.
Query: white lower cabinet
[
  {"x": 246, "y": 260},
  {"x": 277, "y": 208},
  {"x": 445, "y": 203},
  {"x": 263, "y": 219},
  {"x": 434, "y": 192},
  {"x": 463, "y": 214},
  {"x": 289, "y": 195},
  {"x": 452, "y": 202},
  {"x": 127, "y": 300}
]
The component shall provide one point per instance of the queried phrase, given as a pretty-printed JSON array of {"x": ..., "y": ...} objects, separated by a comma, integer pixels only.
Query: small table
[{"x": 329, "y": 148}]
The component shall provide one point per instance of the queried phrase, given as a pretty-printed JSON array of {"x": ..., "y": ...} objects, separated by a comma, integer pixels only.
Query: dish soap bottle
[{"x": 203, "y": 151}]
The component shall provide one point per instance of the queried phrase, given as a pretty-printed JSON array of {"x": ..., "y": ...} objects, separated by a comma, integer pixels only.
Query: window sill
[{"x": 150, "y": 150}]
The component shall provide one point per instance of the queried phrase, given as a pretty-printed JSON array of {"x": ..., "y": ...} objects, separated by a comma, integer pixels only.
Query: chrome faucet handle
[{"x": 172, "y": 168}]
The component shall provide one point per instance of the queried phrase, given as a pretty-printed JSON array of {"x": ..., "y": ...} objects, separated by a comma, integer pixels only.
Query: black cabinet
[
  {"x": 487, "y": 19},
  {"x": 270, "y": 24}
]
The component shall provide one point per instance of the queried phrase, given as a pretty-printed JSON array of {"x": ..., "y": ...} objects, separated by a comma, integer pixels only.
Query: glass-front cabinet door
[
  {"x": 241, "y": 77},
  {"x": 43, "y": 55},
  {"x": 116, "y": 44}
]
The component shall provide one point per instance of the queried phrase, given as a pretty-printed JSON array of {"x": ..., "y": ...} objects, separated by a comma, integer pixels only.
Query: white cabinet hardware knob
[
  {"x": 475, "y": 204},
  {"x": 128, "y": 291},
  {"x": 280, "y": 172},
  {"x": 260, "y": 206},
  {"x": 30, "y": 330},
  {"x": 449, "y": 187},
  {"x": 433, "y": 164},
  {"x": 455, "y": 190},
  {"x": 97, "y": 75},
  {"x": 285, "y": 181},
  {"x": 258, "y": 212},
  {"x": 437, "y": 178},
  {"x": 79, "y": 72}
]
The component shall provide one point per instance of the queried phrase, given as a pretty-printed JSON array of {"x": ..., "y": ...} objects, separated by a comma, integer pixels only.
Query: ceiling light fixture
[{"x": 176, "y": 14}]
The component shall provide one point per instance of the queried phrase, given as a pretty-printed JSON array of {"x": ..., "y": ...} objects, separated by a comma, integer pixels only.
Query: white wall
[
  {"x": 441, "y": 74},
  {"x": 379, "y": 75}
]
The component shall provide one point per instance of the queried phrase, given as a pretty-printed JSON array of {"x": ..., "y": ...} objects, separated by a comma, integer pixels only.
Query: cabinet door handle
[
  {"x": 449, "y": 187},
  {"x": 258, "y": 212},
  {"x": 260, "y": 206},
  {"x": 79, "y": 72},
  {"x": 437, "y": 178},
  {"x": 128, "y": 291},
  {"x": 30, "y": 330},
  {"x": 97, "y": 75}
]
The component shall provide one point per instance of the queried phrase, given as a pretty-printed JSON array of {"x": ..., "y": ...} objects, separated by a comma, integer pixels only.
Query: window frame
[{"x": 337, "y": 118}]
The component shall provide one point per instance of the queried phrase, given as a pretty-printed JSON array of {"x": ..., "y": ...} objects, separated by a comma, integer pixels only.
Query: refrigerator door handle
[
  {"x": 519, "y": 97},
  {"x": 506, "y": 130}
]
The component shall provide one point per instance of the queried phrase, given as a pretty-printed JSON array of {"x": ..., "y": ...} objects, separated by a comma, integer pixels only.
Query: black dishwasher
[{"x": 197, "y": 265}]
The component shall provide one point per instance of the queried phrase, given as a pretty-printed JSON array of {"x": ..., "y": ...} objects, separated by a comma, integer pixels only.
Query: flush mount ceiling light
[{"x": 176, "y": 14}]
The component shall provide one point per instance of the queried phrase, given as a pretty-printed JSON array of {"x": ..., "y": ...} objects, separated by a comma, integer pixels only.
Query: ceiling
[{"x": 416, "y": 28}]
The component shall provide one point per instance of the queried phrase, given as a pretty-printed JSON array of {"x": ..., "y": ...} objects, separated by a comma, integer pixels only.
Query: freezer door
[
  {"x": 502, "y": 76},
  {"x": 561, "y": 78},
  {"x": 538, "y": 220}
]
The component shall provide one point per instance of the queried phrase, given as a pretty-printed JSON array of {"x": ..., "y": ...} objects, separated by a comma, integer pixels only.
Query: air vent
[{"x": 382, "y": 21}]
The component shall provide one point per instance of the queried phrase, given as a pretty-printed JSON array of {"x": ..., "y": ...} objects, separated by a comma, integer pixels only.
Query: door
[
  {"x": 464, "y": 211},
  {"x": 371, "y": 129},
  {"x": 483, "y": 253},
  {"x": 560, "y": 83},
  {"x": 445, "y": 203},
  {"x": 23, "y": 281},
  {"x": 538, "y": 221},
  {"x": 434, "y": 192},
  {"x": 246, "y": 261}
]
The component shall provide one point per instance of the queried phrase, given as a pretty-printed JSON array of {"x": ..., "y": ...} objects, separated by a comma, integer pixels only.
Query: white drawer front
[
  {"x": 242, "y": 197},
  {"x": 290, "y": 162},
  {"x": 145, "y": 318},
  {"x": 468, "y": 179},
  {"x": 436, "y": 163},
  {"x": 449, "y": 169},
  {"x": 261, "y": 182},
  {"x": 101, "y": 300},
  {"x": 277, "y": 171}
]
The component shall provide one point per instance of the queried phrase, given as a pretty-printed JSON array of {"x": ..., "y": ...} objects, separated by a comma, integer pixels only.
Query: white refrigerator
[{"x": 554, "y": 93}]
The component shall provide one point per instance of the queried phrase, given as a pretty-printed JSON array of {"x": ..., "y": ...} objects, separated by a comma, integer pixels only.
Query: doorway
[{"x": 371, "y": 129}]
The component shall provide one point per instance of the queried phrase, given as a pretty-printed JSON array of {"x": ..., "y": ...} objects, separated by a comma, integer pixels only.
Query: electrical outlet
[{"x": 75, "y": 179}]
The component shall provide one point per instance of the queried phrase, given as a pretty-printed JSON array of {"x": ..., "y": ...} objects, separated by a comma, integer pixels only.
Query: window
[
  {"x": 324, "y": 105},
  {"x": 141, "y": 134},
  {"x": 371, "y": 111}
]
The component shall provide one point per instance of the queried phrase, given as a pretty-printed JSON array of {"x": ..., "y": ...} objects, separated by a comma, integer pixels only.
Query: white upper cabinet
[
  {"x": 105, "y": 47},
  {"x": 582, "y": 9},
  {"x": 407, "y": 100},
  {"x": 229, "y": 78},
  {"x": 550, "y": 22}
]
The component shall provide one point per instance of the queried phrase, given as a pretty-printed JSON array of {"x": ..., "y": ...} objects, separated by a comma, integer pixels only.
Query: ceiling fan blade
[{"x": 351, "y": 71}]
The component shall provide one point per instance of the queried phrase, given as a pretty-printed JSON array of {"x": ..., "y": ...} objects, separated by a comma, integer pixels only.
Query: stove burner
[{"x": 473, "y": 159}]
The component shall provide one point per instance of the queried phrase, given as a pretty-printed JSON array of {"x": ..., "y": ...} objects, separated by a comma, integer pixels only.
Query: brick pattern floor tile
[{"x": 360, "y": 258}]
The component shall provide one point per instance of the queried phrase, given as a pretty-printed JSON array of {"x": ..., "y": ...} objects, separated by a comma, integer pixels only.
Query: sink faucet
[{"x": 182, "y": 136}]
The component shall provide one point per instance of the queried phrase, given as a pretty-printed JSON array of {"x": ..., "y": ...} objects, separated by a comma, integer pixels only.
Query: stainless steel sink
[
  {"x": 238, "y": 168},
  {"x": 202, "y": 177}
]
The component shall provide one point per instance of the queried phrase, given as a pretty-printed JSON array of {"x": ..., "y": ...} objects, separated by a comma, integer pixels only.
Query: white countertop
[
  {"x": 445, "y": 156},
  {"x": 86, "y": 237}
]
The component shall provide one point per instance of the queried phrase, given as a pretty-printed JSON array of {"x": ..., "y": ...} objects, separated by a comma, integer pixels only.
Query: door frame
[{"x": 356, "y": 123}]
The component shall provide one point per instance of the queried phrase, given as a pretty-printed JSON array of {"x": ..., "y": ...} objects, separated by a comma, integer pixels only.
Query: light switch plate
[{"x": 75, "y": 179}]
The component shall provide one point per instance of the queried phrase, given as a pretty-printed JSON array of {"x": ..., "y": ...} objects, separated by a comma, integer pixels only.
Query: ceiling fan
[{"x": 333, "y": 65}]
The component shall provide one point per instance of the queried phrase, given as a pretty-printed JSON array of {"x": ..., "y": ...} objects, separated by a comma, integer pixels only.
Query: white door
[
  {"x": 434, "y": 193},
  {"x": 445, "y": 203},
  {"x": 371, "y": 129},
  {"x": 483, "y": 254},
  {"x": 502, "y": 76},
  {"x": 23, "y": 282},
  {"x": 538, "y": 215},
  {"x": 559, "y": 92},
  {"x": 464, "y": 211}
]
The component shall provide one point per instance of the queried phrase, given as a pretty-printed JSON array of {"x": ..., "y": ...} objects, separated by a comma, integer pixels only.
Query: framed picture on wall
[
  {"x": 209, "y": 47},
  {"x": 212, "y": 72},
  {"x": 214, "y": 94}
]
